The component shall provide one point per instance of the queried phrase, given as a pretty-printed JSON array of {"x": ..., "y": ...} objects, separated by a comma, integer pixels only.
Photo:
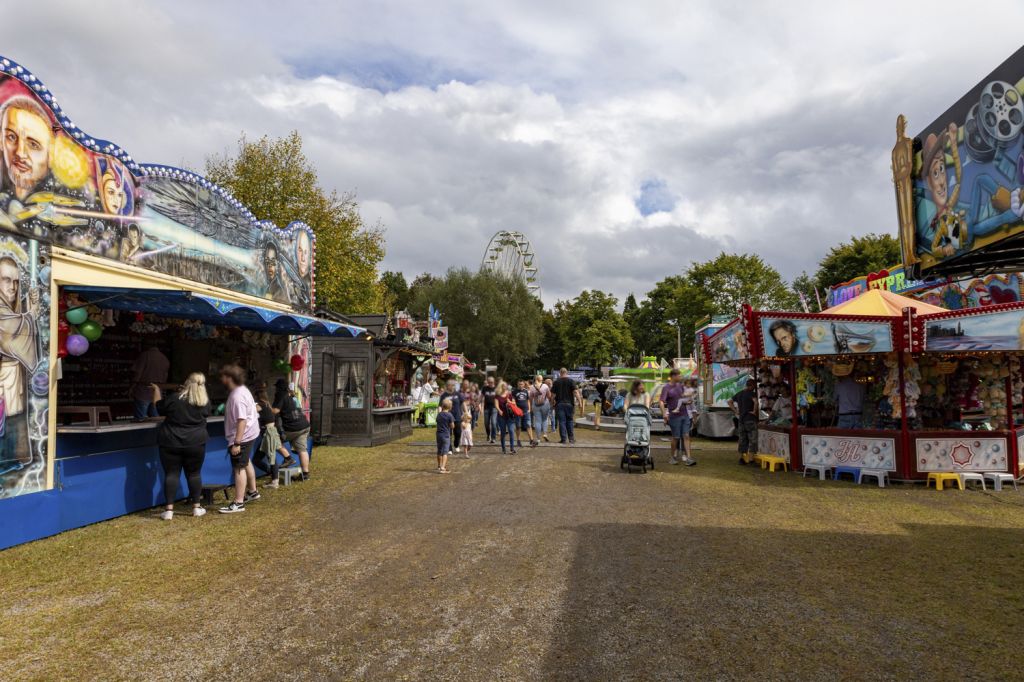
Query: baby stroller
[{"x": 637, "y": 450}]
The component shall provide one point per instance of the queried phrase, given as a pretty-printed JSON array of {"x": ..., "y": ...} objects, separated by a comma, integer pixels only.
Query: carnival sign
[
  {"x": 784, "y": 336},
  {"x": 855, "y": 451}
]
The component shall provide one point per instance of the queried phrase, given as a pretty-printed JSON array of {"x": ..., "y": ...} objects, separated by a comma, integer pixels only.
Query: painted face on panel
[
  {"x": 302, "y": 253},
  {"x": 112, "y": 193},
  {"x": 10, "y": 281},
  {"x": 27, "y": 139}
]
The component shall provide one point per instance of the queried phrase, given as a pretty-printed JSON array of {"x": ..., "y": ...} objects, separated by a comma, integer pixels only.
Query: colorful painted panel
[
  {"x": 866, "y": 453},
  {"x": 968, "y": 174},
  {"x": 24, "y": 364},
  {"x": 782, "y": 337},
  {"x": 999, "y": 331},
  {"x": 894, "y": 279},
  {"x": 1020, "y": 451},
  {"x": 961, "y": 454},
  {"x": 63, "y": 187},
  {"x": 773, "y": 443},
  {"x": 730, "y": 343}
]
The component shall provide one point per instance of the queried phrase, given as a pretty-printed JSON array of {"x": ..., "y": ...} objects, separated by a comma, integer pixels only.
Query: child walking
[
  {"x": 466, "y": 439},
  {"x": 445, "y": 426}
]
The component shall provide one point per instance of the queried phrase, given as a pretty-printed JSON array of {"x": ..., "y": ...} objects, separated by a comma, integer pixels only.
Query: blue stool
[{"x": 853, "y": 471}]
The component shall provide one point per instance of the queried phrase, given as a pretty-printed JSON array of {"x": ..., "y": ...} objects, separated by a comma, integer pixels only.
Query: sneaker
[
  {"x": 289, "y": 462},
  {"x": 673, "y": 461},
  {"x": 572, "y": 441},
  {"x": 466, "y": 455},
  {"x": 198, "y": 511},
  {"x": 233, "y": 508},
  {"x": 545, "y": 437},
  {"x": 691, "y": 462},
  {"x": 167, "y": 515},
  {"x": 304, "y": 476},
  {"x": 503, "y": 451},
  {"x": 457, "y": 451},
  {"x": 562, "y": 442},
  {"x": 252, "y": 495},
  {"x": 513, "y": 451},
  {"x": 273, "y": 485}
]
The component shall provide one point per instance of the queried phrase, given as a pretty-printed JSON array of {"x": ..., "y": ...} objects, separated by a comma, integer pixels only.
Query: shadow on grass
[{"x": 659, "y": 602}]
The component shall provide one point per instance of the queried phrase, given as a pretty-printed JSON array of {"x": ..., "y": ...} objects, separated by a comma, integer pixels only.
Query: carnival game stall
[
  {"x": 103, "y": 261},
  {"x": 888, "y": 383}
]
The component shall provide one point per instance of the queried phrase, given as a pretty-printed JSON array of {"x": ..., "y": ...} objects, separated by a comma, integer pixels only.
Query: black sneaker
[
  {"x": 513, "y": 451},
  {"x": 304, "y": 476},
  {"x": 252, "y": 495},
  {"x": 572, "y": 441},
  {"x": 233, "y": 508},
  {"x": 289, "y": 462}
]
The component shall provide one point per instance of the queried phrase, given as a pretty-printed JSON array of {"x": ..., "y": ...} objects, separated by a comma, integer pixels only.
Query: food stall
[
  {"x": 363, "y": 385},
  {"x": 934, "y": 390},
  {"x": 101, "y": 259}
]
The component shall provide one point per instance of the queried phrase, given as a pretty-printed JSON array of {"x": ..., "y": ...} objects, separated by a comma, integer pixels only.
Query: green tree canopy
[
  {"x": 592, "y": 331},
  {"x": 488, "y": 316},
  {"x": 860, "y": 256},
  {"x": 396, "y": 291},
  {"x": 276, "y": 181}
]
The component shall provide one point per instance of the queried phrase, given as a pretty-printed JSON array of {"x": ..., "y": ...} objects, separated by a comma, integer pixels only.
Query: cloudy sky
[{"x": 626, "y": 139}]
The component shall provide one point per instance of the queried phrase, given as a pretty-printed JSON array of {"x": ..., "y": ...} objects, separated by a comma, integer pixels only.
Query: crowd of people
[{"x": 255, "y": 427}]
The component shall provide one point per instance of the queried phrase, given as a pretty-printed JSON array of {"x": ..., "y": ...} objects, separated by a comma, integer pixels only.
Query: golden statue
[{"x": 902, "y": 170}]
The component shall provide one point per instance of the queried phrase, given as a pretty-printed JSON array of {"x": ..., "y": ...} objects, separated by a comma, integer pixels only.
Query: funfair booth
[
  {"x": 103, "y": 261},
  {"x": 888, "y": 383}
]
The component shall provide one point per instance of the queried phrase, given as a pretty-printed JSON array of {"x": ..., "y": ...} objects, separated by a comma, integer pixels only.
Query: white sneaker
[
  {"x": 457, "y": 450},
  {"x": 198, "y": 511},
  {"x": 167, "y": 515}
]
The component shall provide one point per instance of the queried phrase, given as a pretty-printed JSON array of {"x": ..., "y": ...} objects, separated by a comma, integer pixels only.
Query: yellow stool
[
  {"x": 755, "y": 459},
  {"x": 941, "y": 479},
  {"x": 771, "y": 461}
]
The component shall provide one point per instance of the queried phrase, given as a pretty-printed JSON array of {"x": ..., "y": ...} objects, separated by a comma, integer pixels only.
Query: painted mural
[
  {"x": 63, "y": 187},
  {"x": 993, "y": 331},
  {"x": 866, "y": 453},
  {"x": 968, "y": 171},
  {"x": 24, "y": 364},
  {"x": 729, "y": 343},
  {"x": 790, "y": 337},
  {"x": 961, "y": 454},
  {"x": 773, "y": 443}
]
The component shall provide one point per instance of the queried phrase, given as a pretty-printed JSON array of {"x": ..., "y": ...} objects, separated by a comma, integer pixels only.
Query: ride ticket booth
[{"x": 103, "y": 260}]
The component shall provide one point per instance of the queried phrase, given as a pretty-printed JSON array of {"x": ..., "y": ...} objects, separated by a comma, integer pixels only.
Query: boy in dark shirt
[
  {"x": 445, "y": 426},
  {"x": 744, "y": 406},
  {"x": 524, "y": 423}
]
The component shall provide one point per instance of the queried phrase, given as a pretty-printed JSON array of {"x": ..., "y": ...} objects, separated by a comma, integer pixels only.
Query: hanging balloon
[
  {"x": 91, "y": 330},
  {"x": 77, "y": 315},
  {"x": 297, "y": 363},
  {"x": 77, "y": 344}
]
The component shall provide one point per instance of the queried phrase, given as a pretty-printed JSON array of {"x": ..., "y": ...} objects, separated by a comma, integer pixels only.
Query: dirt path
[{"x": 548, "y": 565}]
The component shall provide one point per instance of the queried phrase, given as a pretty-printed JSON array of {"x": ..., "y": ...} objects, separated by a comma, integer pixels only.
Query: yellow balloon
[{"x": 69, "y": 162}]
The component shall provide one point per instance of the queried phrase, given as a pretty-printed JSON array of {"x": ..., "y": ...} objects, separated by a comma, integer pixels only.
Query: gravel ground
[{"x": 551, "y": 564}]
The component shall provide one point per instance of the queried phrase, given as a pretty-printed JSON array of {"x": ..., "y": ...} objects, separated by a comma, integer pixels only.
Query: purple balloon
[{"x": 77, "y": 344}]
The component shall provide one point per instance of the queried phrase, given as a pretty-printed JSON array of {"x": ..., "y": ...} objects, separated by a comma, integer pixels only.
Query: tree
[
  {"x": 551, "y": 353},
  {"x": 488, "y": 315},
  {"x": 276, "y": 181},
  {"x": 396, "y": 291},
  {"x": 860, "y": 256},
  {"x": 592, "y": 330}
]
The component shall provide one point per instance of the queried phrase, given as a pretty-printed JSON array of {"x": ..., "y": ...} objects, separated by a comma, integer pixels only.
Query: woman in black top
[
  {"x": 294, "y": 426},
  {"x": 270, "y": 442},
  {"x": 182, "y": 439}
]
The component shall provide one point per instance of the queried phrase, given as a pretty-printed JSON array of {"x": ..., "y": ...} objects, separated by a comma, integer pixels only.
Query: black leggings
[{"x": 176, "y": 459}]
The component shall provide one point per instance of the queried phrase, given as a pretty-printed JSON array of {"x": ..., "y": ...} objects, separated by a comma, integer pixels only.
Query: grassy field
[{"x": 549, "y": 565}]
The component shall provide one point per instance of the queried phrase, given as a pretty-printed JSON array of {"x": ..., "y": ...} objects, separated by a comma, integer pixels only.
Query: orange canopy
[{"x": 881, "y": 303}]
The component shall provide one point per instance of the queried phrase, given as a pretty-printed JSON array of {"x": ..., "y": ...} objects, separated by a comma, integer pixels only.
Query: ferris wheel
[{"x": 511, "y": 254}]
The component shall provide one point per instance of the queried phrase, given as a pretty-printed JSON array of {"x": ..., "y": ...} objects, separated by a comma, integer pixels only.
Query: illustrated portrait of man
[
  {"x": 784, "y": 333},
  {"x": 277, "y": 286},
  {"x": 28, "y": 137},
  {"x": 19, "y": 355},
  {"x": 303, "y": 253}
]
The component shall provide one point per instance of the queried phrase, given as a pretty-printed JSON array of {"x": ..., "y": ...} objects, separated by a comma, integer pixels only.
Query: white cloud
[{"x": 770, "y": 126}]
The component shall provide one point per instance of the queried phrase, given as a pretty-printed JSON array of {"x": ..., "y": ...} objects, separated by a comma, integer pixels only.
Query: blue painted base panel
[{"x": 95, "y": 487}]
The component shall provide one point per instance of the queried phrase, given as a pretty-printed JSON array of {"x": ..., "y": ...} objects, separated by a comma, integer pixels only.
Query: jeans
[
  {"x": 444, "y": 444},
  {"x": 849, "y": 421},
  {"x": 507, "y": 425},
  {"x": 491, "y": 422},
  {"x": 541, "y": 417},
  {"x": 566, "y": 426},
  {"x": 747, "y": 431},
  {"x": 143, "y": 409},
  {"x": 176, "y": 459}
]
